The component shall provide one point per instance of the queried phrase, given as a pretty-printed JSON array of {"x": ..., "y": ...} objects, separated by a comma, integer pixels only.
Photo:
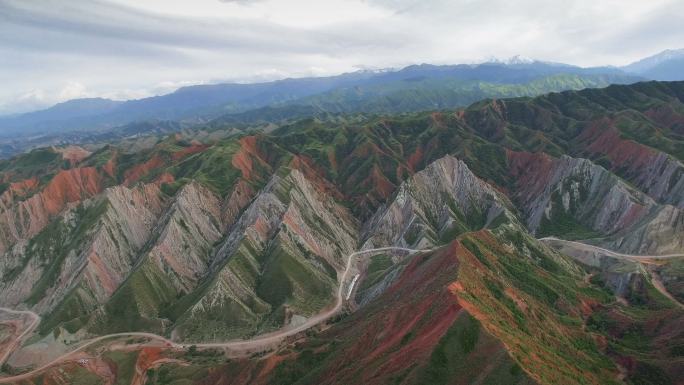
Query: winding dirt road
[
  {"x": 21, "y": 336},
  {"x": 644, "y": 260},
  {"x": 270, "y": 339},
  {"x": 255, "y": 343},
  {"x": 588, "y": 247}
]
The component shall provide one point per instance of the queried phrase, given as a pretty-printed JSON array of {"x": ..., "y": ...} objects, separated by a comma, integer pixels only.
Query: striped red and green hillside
[{"x": 201, "y": 240}]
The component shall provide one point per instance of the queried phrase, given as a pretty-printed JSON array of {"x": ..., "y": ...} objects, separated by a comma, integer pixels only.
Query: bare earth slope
[{"x": 246, "y": 247}]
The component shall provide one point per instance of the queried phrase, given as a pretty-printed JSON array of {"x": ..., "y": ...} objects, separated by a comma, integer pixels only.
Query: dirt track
[
  {"x": 259, "y": 342},
  {"x": 21, "y": 336},
  {"x": 642, "y": 259},
  {"x": 272, "y": 339},
  {"x": 588, "y": 247}
]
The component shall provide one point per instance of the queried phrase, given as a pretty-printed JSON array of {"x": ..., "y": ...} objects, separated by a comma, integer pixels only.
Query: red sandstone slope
[
  {"x": 24, "y": 219},
  {"x": 399, "y": 337}
]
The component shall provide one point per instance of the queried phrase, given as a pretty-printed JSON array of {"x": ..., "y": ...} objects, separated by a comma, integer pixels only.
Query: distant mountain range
[
  {"x": 414, "y": 88},
  {"x": 667, "y": 65}
]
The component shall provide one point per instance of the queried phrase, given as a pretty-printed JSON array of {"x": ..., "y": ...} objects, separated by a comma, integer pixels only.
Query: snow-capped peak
[{"x": 513, "y": 60}]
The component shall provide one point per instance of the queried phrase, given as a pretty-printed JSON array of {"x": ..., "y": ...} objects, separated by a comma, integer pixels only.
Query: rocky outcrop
[
  {"x": 138, "y": 171},
  {"x": 132, "y": 278},
  {"x": 92, "y": 247},
  {"x": 255, "y": 262},
  {"x": 238, "y": 199},
  {"x": 250, "y": 234},
  {"x": 17, "y": 191},
  {"x": 280, "y": 259},
  {"x": 126, "y": 227},
  {"x": 661, "y": 231},
  {"x": 663, "y": 180},
  {"x": 21, "y": 220},
  {"x": 178, "y": 255},
  {"x": 249, "y": 159},
  {"x": 190, "y": 228},
  {"x": 442, "y": 201},
  {"x": 656, "y": 173},
  {"x": 574, "y": 197}
]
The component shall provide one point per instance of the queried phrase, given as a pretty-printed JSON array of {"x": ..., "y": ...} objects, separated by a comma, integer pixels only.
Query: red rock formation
[
  {"x": 165, "y": 178},
  {"x": 654, "y": 172},
  {"x": 379, "y": 183},
  {"x": 27, "y": 218},
  {"x": 71, "y": 186},
  {"x": 415, "y": 159},
  {"x": 138, "y": 171},
  {"x": 315, "y": 174},
  {"x": 18, "y": 190},
  {"x": 239, "y": 199},
  {"x": 248, "y": 157},
  {"x": 438, "y": 119},
  {"x": 603, "y": 138},
  {"x": 667, "y": 116},
  {"x": 110, "y": 166},
  {"x": 193, "y": 149},
  {"x": 418, "y": 304},
  {"x": 533, "y": 170}
]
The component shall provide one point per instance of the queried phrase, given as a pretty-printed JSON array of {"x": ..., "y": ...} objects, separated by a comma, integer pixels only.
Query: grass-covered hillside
[{"x": 202, "y": 239}]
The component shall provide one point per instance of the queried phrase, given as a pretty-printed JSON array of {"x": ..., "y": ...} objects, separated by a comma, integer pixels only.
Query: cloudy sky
[{"x": 55, "y": 50}]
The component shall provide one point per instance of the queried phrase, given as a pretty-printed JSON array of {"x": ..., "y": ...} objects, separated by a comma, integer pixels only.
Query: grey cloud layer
[
  {"x": 106, "y": 47},
  {"x": 93, "y": 26}
]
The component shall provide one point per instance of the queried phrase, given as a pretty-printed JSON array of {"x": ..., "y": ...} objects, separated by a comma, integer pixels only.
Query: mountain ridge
[
  {"x": 197, "y": 103},
  {"x": 240, "y": 236},
  {"x": 665, "y": 65}
]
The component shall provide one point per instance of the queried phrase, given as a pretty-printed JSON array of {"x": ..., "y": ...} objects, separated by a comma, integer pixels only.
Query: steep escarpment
[
  {"x": 408, "y": 334},
  {"x": 415, "y": 333},
  {"x": 22, "y": 219},
  {"x": 176, "y": 257},
  {"x": 279, "y": 262},
  {"x": 79, "y": 260},
  {"x": 527, "y": 297},
  {"x": 16, "y": 191},
  {"x": 249, "y": 159},
  {"x": 491, "y": 307},
  {"x": 245, "y": 235},
  {"x": 573, "y": 197},
  {"x": 436, "y": 204},
  {"x": 126, "y": 227},
  {"x": 631, "y": 131},
  {"x": 656, "y": 173}
]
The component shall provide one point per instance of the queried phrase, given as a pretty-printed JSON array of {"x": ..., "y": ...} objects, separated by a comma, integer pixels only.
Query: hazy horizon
[{"x": 51, "y": 52}]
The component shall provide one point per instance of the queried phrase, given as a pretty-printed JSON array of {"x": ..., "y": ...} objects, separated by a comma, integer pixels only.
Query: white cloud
[
  {"x": 72, "y": 90},
  {"x": 34, "y": 96},
  {"x": 27, "y": 101},
  {"x": 130, "y": 48}
]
